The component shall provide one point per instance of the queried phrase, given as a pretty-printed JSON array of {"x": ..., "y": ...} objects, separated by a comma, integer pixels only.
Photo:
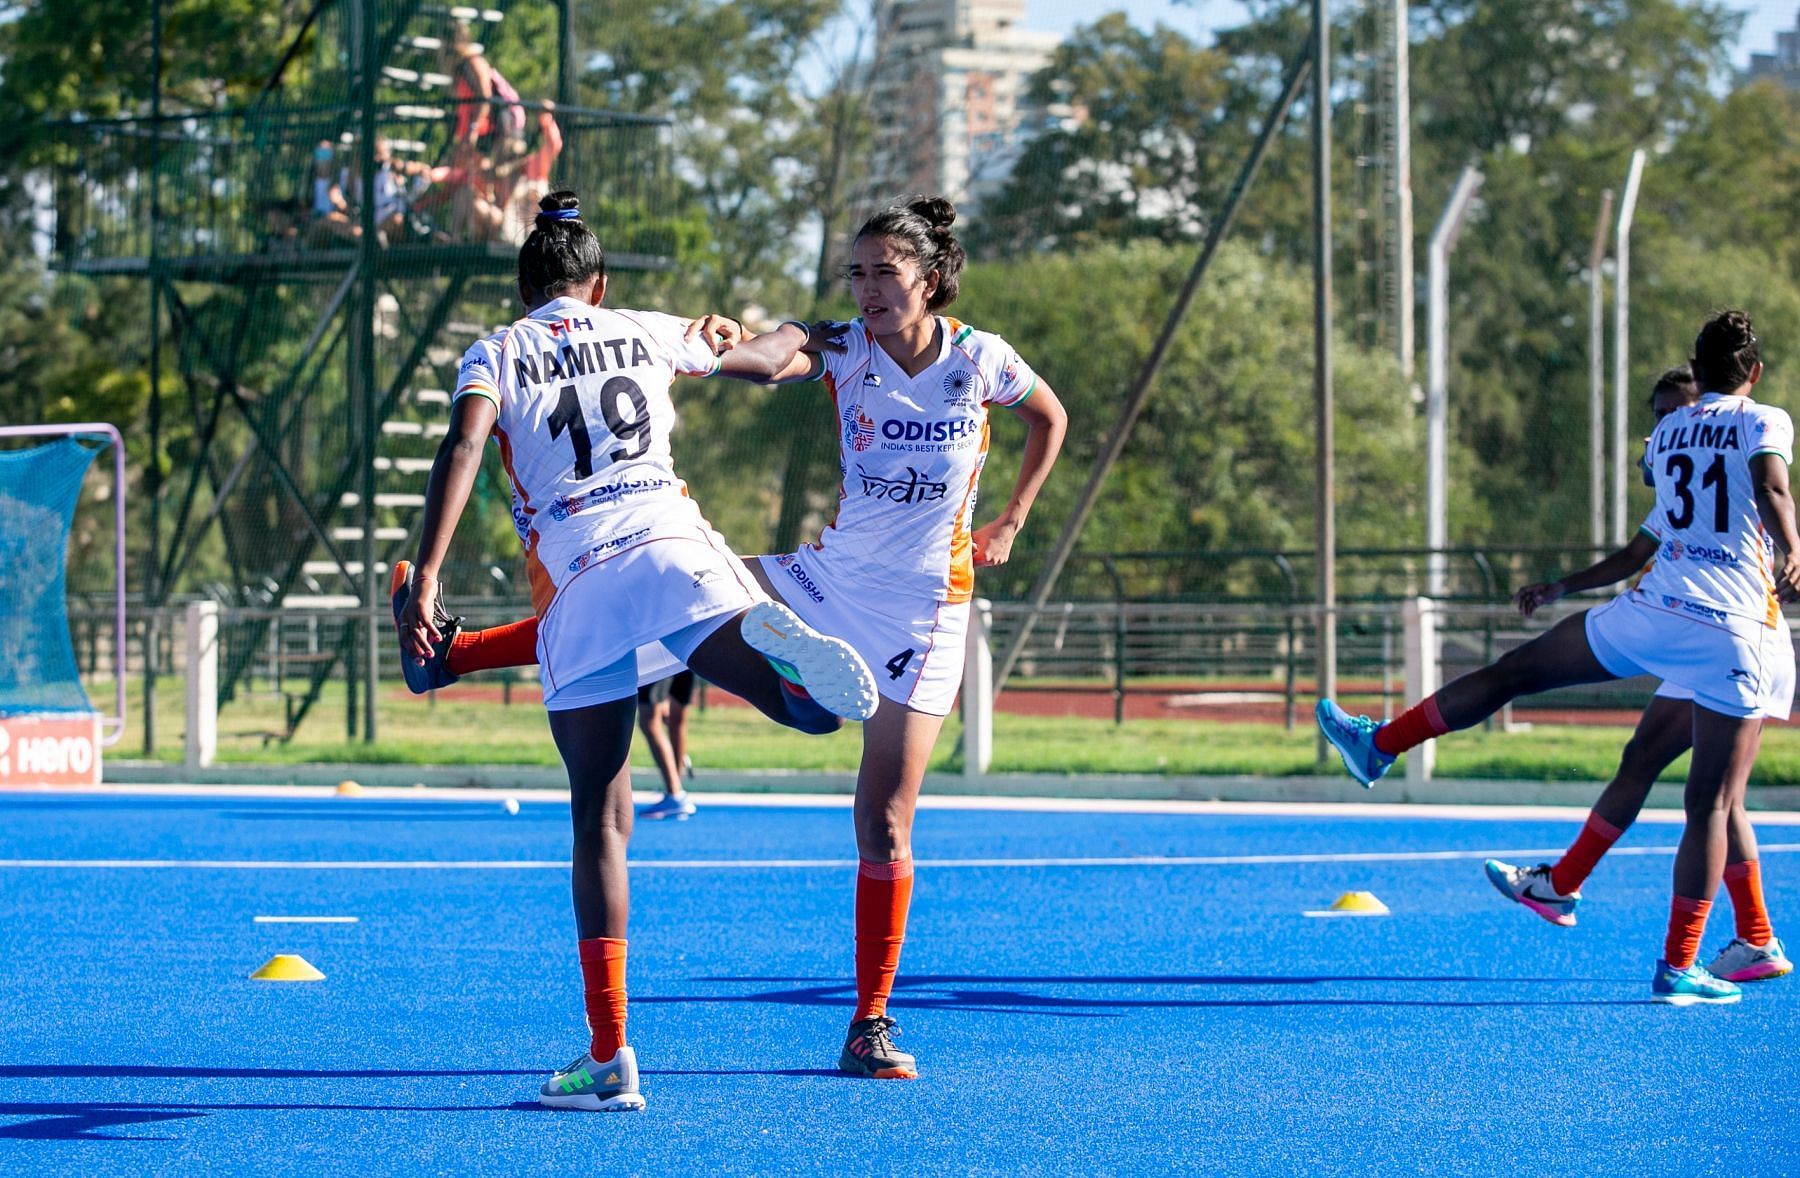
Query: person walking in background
[{"x": 656, "y": 711}]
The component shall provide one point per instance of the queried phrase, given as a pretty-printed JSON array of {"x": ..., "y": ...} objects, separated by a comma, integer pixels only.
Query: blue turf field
[{"x": 1110, "y": 1017}]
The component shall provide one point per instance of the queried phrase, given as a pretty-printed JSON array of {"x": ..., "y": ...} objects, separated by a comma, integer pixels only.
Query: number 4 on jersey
[{"x": 897, "y": 665}]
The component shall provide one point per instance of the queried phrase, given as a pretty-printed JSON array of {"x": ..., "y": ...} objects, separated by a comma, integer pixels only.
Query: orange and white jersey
[
  {"x": 911, "y": 449},
  {"x": 1714, "y": 557},
  {"x": 585, "y": 417}
]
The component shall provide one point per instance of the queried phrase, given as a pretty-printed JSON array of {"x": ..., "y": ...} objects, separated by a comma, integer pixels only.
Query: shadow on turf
[
  {"x": 944, "y": 992},
  {"x": 84, "y": 1121}
]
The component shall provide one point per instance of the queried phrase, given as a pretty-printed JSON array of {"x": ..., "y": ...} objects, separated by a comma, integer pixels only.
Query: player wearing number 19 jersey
[
  {"x": 620, "y": 559},
  {"x": 1724, "y": 518}
]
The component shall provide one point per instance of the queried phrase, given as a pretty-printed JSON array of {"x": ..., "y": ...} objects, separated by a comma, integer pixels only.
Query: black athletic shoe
[
  {"x": 870, "y": 1051},
  {"x": 434, "y": 673}
]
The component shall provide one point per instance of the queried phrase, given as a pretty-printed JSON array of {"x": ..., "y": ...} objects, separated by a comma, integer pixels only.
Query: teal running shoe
[
  {"x": 827, "y": 670},
  {"x": 1354, "y": 739},
  {"x": 1690, "y": 987},
  {"x": 610, "y": 1087}
]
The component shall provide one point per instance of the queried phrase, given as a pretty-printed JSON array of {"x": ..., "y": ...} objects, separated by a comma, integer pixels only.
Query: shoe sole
[
  {"x": 1765, "y": 972},
  {"x": 1693, "y": 1000},
  {"x": 1321, "y": 717},
  {"x": 830, "y": 669},
  {"x": 851, "y": 1067},
  {"x": 1559, "y": 919},
  {"x": 418, "y": 679},
  {"x": 625, "y": 1102}
]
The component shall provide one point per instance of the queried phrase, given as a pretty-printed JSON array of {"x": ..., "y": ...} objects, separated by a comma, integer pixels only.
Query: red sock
[
  {"x": 495, "y": 648},
  {"x": 883, "y": 894},
  {"x": 1744, "y": 882},
  {"x": 1411, "y": 728},
  {"x": 1687, "y": 920},
  {"x": 603, "y": 989},
  {"x": 1578, "y": 862}
]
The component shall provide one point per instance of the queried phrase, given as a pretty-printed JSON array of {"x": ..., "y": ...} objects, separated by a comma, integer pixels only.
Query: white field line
[
  {"x": 814, "y": 864},
  {"x": 304, "y": 919},
  {"x": 1051, "y": 805}
]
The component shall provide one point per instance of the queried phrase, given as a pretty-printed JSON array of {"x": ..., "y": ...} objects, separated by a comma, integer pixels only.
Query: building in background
[
  {"x": 1781, "y": 66},
  {"x": 950, "y": 93}
]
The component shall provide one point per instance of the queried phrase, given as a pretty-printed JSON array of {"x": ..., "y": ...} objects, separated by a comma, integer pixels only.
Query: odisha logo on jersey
[
  {"x": 957, "y": 385},
  {"x": 1675, "y": 550},
  {"x": 859, "y": 431}
]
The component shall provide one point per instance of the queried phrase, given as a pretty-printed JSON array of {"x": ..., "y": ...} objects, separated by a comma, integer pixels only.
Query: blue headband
[{"x": 562, "y": 214}]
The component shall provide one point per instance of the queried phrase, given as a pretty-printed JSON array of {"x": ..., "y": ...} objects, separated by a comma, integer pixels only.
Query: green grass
[{"x": 483, "y": 731}]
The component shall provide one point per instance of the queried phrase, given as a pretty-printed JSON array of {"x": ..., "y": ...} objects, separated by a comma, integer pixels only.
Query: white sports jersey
[
  {"x": 1715, "y": 558},
  {"x": 584, "y": 426},
  {"x": 911, "y": 450}
]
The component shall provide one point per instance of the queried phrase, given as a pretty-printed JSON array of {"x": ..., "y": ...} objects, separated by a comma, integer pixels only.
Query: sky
[{"x": 1199, "y": 17}]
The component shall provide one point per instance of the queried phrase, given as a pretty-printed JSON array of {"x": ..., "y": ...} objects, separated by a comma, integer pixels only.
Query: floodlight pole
[
  {"x": 1437, "y": 392},
  {"x": 1621, "y": 332},
  {"x": 1403, "y": 194},
  {"x": 1597, "y": 375},
  {"x": 1324, "y": 434}
]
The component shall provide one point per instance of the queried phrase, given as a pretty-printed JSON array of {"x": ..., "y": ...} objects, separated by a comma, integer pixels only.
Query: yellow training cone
[
  {"x": 1353, "y": 904},
  {"x": 287, "y": 967},
  {"x": 348, "y": 789}
]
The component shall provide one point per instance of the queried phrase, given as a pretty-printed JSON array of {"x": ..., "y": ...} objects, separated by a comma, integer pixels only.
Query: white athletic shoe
[
  {"x": 830, "y": 670},
  {"x": 1530, "y": 886},
  {"x": 610, "y": 1087},
  {"x": 1741, "y": 961}
]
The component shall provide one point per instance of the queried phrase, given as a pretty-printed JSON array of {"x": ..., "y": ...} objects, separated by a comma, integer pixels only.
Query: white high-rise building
[
  {"x": 1782, "y": 66},
  {"x": 951, "y": 105}
]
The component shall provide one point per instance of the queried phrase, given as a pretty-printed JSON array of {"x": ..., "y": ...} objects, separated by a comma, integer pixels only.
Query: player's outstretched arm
[
  {"x": 1775, "y": 504},
  {"x": 1609, "y": 570},
  {"x": 446, "y": 494},
  {"x": 1046, "y": 422}
]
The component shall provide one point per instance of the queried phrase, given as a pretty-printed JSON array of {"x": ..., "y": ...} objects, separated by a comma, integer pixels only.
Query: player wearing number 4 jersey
[
  {"x": 620, "y": 560},
  {"x": 893, "y": 573},
  {"x": 1706, "y": 617}
]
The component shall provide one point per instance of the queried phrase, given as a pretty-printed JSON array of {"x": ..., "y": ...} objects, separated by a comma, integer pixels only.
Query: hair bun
[
  {"x": 563, "y": 200},
  {"x": 936, "y": 211}
]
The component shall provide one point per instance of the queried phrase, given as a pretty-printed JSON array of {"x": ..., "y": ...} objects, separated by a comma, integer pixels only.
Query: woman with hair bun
[
  {"x": 1705, "y": 618},
  {"x": 626, "y": 575},
  {"x": 893, "y": 573}
]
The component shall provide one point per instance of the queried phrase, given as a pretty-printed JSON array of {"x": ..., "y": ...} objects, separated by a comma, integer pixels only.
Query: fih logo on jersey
[
  {"x": 958, "y": 386},
  {"x": 859, "y": 431}
]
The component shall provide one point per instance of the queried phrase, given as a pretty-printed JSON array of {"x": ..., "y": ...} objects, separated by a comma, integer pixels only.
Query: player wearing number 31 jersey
[{"x": 1705, "y": 618}]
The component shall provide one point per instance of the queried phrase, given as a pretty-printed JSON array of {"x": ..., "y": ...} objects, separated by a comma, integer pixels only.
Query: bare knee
[{"x": 883, "y": 837}]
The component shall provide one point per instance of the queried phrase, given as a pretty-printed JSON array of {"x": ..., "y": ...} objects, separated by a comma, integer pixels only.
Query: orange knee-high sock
[
  {"x": 1411, "y": 728},
  {"x": 1744, "y": 882},
  {"x": 1595, "y": 840},
  {"x": 1687, "y": 920},
  {"x": 883, "y": 895},
  {"x": 497, "y": 647},
  {"x": 603, "y": 989}
]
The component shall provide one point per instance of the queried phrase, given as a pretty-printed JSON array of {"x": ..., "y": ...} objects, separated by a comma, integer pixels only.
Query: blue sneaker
[
  {"x": 677, "y": 806},
  {"x": 434, "y": 674},
  {"x": 1690, "y": 986},
  {"x": 1354, "y": 739}
]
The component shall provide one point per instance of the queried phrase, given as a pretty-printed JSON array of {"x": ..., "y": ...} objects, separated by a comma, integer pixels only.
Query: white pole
[
  {"x": 1419, "y": 617},
  {"x": 1437, "y": 414},
  {"x": 1621, "y": 332},
  {"x": 202, "y": 743},
  {"x": 978, "y": 691},
  {"x": 1403, "y": 195},
  {"x": 1597, "y": 375}
]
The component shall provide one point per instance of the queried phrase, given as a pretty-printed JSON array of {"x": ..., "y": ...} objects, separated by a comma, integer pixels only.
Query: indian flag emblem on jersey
[
  {"x": 956, "y": 387},
  {"x": 859, "y": 431}
]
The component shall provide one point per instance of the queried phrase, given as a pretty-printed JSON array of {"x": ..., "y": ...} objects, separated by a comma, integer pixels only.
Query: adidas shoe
[
  {"x": 434, "y": 673},
  {"x": 1741, "y": 961},
  {"x": 828, "y": 669},
  {"x": 870, "y": 1051},
  {"x": 1690, "y": 987},
  {"x": 1531, "y": 887},
  {"x": 677, "y": 806},
  {"x": 610, "y": 1087},
  {"x": 1354, "y": 739}
]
